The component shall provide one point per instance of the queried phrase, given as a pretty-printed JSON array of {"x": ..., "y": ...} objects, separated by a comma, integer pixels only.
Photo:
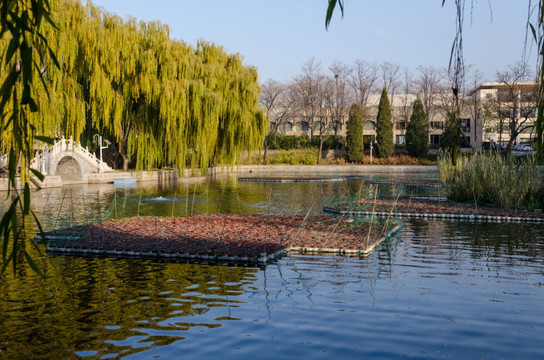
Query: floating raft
[
  {"x": 291, "y": 179},
  {"x": 427, "y": 183},
  {"x": 433, "y": 209},
  {"x": 220, "y": 237}
]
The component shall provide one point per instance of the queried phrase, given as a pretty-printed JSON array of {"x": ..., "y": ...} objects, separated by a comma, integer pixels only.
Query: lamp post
[{"x": 98, "y": 139}]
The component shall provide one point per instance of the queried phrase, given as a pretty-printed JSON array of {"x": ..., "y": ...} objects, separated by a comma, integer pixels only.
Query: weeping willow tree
[{"x": 166, "y": 102}]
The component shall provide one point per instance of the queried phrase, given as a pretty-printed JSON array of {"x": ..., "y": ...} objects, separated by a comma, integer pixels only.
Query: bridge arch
[{"x": 69, "y": 169}]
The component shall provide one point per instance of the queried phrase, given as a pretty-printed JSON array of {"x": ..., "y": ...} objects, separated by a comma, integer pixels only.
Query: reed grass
[{"x": 487, "y": 178}]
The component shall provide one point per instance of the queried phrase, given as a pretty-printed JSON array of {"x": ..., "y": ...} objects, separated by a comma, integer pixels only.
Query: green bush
[
  {"x": 287, "y": 142},
  {"x": 306, "y": 156},
  {"x": 489, "y": 179},
  {"x": 331, "y": 142}
]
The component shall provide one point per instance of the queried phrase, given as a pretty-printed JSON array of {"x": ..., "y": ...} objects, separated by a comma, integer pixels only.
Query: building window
[
  {"x": 401, "y": 139},
  {"x": 302, "y": 126},
  {"x": 318, "y": 125},
  {"x": 465, "y": 125},
  {"x": 437, "y": 125},
  {"x": 401, "y": 125},
  {"x": 435, "y": 139},
  {"x": 369, "y": 126},
  {"x": 337, "y": 126},
  {"x": 285, "y": 127}
]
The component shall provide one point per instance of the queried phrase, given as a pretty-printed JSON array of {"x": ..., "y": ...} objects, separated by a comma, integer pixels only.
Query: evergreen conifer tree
[
  {"x": 417, "y": 132},
  {"x": 354, "y": 137},
  {"x": 384, "y": 127}
]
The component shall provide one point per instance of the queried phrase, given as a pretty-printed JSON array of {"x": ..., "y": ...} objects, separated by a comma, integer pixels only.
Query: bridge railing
[
  {"x": 42, "y": 161},
  {"x": 3, "y": 160}
]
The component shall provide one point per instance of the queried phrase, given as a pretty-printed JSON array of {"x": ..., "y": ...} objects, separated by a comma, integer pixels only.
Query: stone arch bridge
[{"x": 69, "y": 160}]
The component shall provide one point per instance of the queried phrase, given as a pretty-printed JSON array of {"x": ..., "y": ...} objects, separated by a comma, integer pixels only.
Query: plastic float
[
  {"x": 221, "y": 237},
  {"x": 367, "y": 180},
  {"x": 434, "y": 208},
  {"x": 291, "y": 179},
  {"x": 423, "y": 183}
]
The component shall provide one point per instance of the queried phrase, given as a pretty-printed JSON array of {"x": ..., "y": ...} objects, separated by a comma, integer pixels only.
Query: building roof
[{"x": 497, "y": 85}]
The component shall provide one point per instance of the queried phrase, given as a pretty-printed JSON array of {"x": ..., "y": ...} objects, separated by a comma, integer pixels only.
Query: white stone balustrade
[{"x": 48, "y": 159}]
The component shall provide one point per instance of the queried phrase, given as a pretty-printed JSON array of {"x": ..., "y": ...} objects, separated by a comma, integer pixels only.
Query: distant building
[
  {"x": 503, "y": 107},
  {"x": 487, "y": 114}
]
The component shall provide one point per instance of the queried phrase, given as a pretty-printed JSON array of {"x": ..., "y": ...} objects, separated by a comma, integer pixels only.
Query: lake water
[{"x": 439, "y": 290}]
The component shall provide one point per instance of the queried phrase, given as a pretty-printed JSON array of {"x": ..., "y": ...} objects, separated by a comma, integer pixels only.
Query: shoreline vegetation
[{"x": 488, "y": 178}]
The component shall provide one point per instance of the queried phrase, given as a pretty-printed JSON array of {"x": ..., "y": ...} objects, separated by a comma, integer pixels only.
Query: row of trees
[
  {"x": 417, "y": 132},
  {"x": 323, "y": 97},
  {"x": 167, "y": 103}
]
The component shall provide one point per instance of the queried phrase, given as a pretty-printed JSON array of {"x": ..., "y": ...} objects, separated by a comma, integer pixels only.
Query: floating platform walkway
[
  {"x": 222, "y": 238},
  {"x": 436, "y": 208}
]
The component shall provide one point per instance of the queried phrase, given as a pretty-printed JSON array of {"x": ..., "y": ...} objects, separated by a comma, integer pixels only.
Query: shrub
[
  {"x": 330, "y": 142},
  {"x": 393, "y": 160},
  {"x": 288, "y": 142},
  {"x": 306, "y": 156}
]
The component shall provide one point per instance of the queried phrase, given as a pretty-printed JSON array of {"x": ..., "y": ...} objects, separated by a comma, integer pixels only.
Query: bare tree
[
  {"x": 429, "y": 87},
  {"x": 474, "y": 105},
  {"x": 516, "y": 101},
  {"x": 327, "y": 98},
  {"x": 363, "y": 81},
  {"x": 341, "y": 100},
  {"x": 390, "y": 73},
  {"x": 406, "y": 99},
  {"x": 307, "y": 93},
  {"x": 279, "y": 103}
]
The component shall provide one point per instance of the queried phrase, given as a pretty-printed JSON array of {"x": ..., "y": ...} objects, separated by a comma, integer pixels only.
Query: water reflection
[
  {"x": 442, "y": 289},
  {"x": 84, "y": 204},
  {"x": 111, "y": 306}
]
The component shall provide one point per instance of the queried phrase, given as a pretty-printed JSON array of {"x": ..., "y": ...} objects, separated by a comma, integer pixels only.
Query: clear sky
[{"x": 279, "y": 36}]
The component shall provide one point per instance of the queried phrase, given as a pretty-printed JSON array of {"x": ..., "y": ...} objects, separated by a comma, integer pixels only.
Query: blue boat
[{"x": 128, "y": 182}]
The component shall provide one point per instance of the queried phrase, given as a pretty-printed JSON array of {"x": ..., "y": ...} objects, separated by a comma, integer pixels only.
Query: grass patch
[{"x": 307, "y": 156}]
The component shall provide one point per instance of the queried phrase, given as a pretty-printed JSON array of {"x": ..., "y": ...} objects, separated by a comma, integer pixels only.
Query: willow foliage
[{"x": 166, "y": 102}]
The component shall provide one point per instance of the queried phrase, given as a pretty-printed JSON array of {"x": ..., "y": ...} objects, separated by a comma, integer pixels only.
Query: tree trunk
[
  {"x": 264, "y": 153},
  {"x": 125, "y": 162},
  {"x": 123, "y": 152},
  {"x": 320, "y": 149}
]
